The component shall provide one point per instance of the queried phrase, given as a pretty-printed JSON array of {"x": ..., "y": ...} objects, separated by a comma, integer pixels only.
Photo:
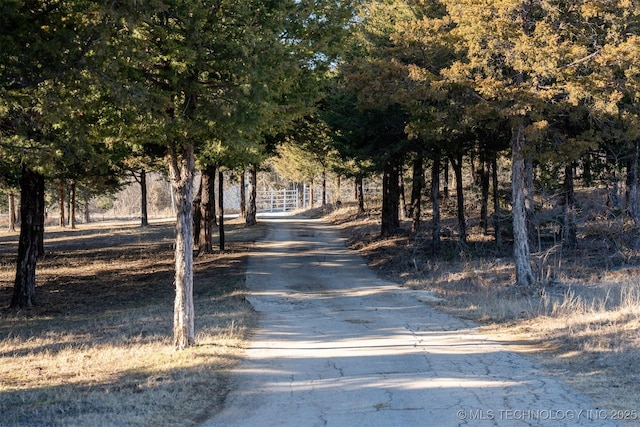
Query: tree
[
  {"x": 377, "y": 83},
  {"x": 514, "y": 61},
  {"x": 32, "y": 223},
  {"x": 205, "y": 211},
  {"x": 141, "y": 179},
  {"x": 306, "y": 153},
  {"x": 44, "y": 49},
  {"x": 347, "y": 129},
  {"x": 204, "y": 66}
]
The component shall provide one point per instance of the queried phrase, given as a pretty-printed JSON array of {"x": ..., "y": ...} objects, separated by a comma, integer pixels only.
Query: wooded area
[{"x": 93, "y": 91}]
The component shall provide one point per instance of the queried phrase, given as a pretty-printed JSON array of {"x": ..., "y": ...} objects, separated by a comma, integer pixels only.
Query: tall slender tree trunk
[
  {"x": 300, "y": 193},
  {"x": 253, "y": 193},
  {"x": 324, "y": 187},
  {"x": 182, "y": 172},
  {"x": 390, "y": 197},
  {"x": 312, "y": 199},
  {"x": 570, "y": 228},
  {"x": 521, "y": 252},
  {"x": 497, "y": 220},
  {"x": 207, "y": 210},
  {"x": 355, "y": 189},
  {"x": 12, "y": 211},
  {"x": 529, "y": 206},
  {"x": 31, "y": 232},
  {"x": 445, "y": 190},
  {"x": 144, "y": 216},
  {"x": 41, "y": 217},
  {"x": 221, "y": 209},
  {"x": 404, "y": 206},
  {"x": 72, "y": 204},
  {"x": 435, "y": 201},
  {"x": 613, "y": 199},
  {"x": 415, "y": 209},
  {"x": 360, "y": 193},
  {"x": 61, "y": 199},
  {"x": 197, "y": 217},
  {"x": 86, "y": 210},
  {"x": 485, "y": 167},
  {"x": 243, "y": 195},
  {"x": 456, "y": 162},
  {"x": 632, "y": 185}
]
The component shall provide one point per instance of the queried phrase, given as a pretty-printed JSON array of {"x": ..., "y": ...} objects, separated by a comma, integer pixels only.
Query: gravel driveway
[{"x": 337, "y": 346}]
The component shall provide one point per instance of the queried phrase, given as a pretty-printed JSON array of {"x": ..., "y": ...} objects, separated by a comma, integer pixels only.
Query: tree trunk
[
  {"x": 221, "y": 209},
  {"x": 485, "y": 167},
  {"x": 61, "y": 198},
  {"x": 569, "y": 230},
  {"x": 435, "y": 201},
  {"x": 243, "y": 195},
  {"x": 300, "y": 194},
  {"x": 252, "y": 208},
  {"x": 415, "y": 209},
  {"x": 68, "y": 201},
  {"x": 197, "y": 217},
  {"x": 390, "y": 197},
  {"x": 72, "y": 204},
  {"x": 456, "y": 162},
  {"x": 85, "y": 209},
  {"x": 182, "y": 171},
  {"x": 312, "y": 200},
  {"x": 31, "y": 231},
  {"x": 41, "y": 217},
  {"x": 632, "y": 185},
  {"x": 613, "y": 200},
  {"x": 475, "y": 176},
  {"x": 403, "y": 205},
  {"x": 207, "y": 211},
  {"x": 496, "y": 202},
  {"x": 12, "y": 211},
  {"x": 445, "y": 190},
  {"x": 144, "y": 217},
  {"x": 524, "y": 274},
  {"x": 529, "y": 206},
  {"x": 360, "y": 194},
  {"x": 324, "y": 188}
]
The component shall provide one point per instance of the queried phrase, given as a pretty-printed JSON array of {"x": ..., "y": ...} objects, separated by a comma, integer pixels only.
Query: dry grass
[
  {"x": 97, "y": 350},
  {"x": 582, "y": 324}
]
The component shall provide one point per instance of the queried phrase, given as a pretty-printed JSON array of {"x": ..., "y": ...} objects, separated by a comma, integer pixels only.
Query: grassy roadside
[
  {"x": 97, "y": 350},
  {"x": 582, "y": 326}
]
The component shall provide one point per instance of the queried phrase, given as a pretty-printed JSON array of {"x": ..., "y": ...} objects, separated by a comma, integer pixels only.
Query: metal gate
[{"x": 277, "y": 200}]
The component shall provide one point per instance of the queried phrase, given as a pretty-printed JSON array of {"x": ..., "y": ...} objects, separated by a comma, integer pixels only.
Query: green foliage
[
  {"x": 51, "y": 111},
  {"x": 307, "y": 152}
]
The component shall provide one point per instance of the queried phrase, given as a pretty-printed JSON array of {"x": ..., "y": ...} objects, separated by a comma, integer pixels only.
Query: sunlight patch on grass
[{"x": 98, "y": 349}]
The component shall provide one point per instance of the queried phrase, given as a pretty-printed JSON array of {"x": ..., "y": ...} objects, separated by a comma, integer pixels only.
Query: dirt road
[{"x": 337, "y": 346}]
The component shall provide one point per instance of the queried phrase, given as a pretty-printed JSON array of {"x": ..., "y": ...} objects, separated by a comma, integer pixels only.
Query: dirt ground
[
  {"x": 97, "y": 350},
  {"x": 105, "y": 302}
]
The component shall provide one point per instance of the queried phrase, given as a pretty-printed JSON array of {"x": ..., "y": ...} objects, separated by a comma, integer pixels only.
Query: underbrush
[
  {"x": 97, "y": 349},
  {"x": 581, "y": 320}
]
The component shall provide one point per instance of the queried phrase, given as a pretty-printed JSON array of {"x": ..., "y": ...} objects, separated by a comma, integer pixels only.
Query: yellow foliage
[{"x": 537, "y": 130}]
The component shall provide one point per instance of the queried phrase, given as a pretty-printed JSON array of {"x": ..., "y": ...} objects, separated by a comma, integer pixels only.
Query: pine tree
[{"x": 45, "y": 51}]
